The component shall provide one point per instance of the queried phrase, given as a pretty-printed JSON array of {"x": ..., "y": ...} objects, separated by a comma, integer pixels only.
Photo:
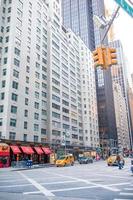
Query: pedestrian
[{"x": 118, "y": 158}]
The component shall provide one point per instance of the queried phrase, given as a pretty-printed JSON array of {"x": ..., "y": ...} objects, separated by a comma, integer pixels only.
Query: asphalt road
[{"x": 94, "y": 181}]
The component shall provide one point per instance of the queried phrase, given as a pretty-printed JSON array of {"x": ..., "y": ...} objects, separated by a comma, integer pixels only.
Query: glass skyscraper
[{"x": 78, "y": 15}]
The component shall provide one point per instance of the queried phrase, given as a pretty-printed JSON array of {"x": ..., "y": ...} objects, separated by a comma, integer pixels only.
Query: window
[
  {"x": 36, "y": 127},
  {"x": 43, "y": 131},
  {"x": 12, "y": 135},
  {"x": 15, "y": 85},
  {"x": 4, "y": 72},
  {"x": 37, "y": 95},
  {"x": 36, "y": 116},
  {"x": 35, "y": 138},
  {"x": 1, "y": 108},
  {"x": 7, "y": 29},
  {"x": 27, "y": 79},
  {"x": 26, "y": 90},
  {"x": 26, "y": 113},
  {"x": 6, "y": 49},
  {"x": 7, "y": 39},
  {"x": 16, "y": 62},
  {"x": 54, "y": 97},
  {"x": 25, "y": 125},
  {"x": 15, "y": 73},
  {"x": 1, "y": 121},
  {"x": 2, "y": 95},
  {"x": 27, "y": 69},
  {"x": 13, "y": 109},
  {"x": 36, "y": 105},
  {"x": 55, "y": 106},
  {"x": 3, "y": 84},
  {"x": 8, "y": 19},
  {"x": 14, "y": 97},
  {"x": 44, "y": 94},
  {"x": 25, "y": 137},
  {"x": 44, "y": 112},
  {"x": 26, "y": 101},
  {"x": 5, "y": 61},
  {"x": 9, "y": 9},
  {"x": 56, "y": 115},
  {"x": 13, "y": 122},
  {"x": 17, "y": 51},
  {"x": 37, "y": 75}
]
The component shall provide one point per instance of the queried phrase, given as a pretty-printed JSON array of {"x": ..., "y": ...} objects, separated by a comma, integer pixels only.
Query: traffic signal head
[
  {"x": 98, "y": 57},
  {"x": 111, "y": 56}
]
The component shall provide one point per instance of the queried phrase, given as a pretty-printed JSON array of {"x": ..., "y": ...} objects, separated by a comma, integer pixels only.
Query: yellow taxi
[
  {"x": 65, "y": 160},
  {"x": 112, "y": 160}
]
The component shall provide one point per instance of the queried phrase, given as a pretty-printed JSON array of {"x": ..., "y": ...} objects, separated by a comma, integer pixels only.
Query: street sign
[{"x": 127, "y": 5}]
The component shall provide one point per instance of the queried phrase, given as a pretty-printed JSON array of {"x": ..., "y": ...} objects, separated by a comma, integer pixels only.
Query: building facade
[
  {"x": 47, "y": 77},
  {"x": 78, "y": 15},
  {"x": 106, "y": 111},
  {"x": 121, "y": 118},
  {"x": 119, "y": 76}
]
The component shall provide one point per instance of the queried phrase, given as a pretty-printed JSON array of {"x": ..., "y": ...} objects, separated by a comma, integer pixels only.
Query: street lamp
[{"x": 66, "y": 135}]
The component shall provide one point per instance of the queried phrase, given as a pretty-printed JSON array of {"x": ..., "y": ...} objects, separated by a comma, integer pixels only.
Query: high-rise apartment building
[
  {"x": 119, "y": 76},
  {"x": 121, "y": 118},
  {"x": 72, "y": 12},
  {"x": 47, "y": 77}
]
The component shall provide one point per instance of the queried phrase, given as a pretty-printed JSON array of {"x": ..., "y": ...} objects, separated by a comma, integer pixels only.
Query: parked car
[
  {"x": 85, "y": 160},
  {"x": 65, "y": 160},
  {"x": 112, "y": 160}
]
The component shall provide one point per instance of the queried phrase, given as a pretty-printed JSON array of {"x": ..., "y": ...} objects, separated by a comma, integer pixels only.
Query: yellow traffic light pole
[{"x": 105, "y": 56}]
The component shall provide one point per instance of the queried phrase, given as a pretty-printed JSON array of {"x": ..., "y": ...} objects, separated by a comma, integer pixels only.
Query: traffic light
[
  {"x": 98, "y": 57},
  {"x": 111, "y": 56}
]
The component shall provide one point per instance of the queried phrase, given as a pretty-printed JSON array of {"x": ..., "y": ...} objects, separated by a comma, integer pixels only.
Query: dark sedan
[{"x": 85, "y": 160}]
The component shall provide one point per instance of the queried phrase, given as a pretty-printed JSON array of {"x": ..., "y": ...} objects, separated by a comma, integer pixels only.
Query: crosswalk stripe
[
  {"x": 126, "y": 194},
  {"x": 122, "y": 199},
  {"x": 130, "y": 189}
]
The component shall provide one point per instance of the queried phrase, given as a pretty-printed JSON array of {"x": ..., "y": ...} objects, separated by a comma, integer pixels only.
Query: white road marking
[
  {"x": 58, "y": 182},
  {"x": 130, "y": 189},
  {"x": 4, "y": 181},
  {"x": 88, "y": 182},
  {"x": 112, "y": 176},
  {"x": 127, "y": 183},
  {"x": 74, "y": 188},
  {"x": 34, "y": 192},
  {"x": 126, "y": 194},
  {"x": 38, "y": 186},
  {"x": 122, "y": 199},
  {"x": 10, "y": 186}
]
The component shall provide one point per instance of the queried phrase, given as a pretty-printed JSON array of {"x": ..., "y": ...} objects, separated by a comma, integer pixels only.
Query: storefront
[
  {"x": 4, "y": 155},
  {"x": 15, "y": 153},
  {"x": 27, "y": 153},
  {"x": 46, "y": 157},
  {"x": 38, "y": 156}
]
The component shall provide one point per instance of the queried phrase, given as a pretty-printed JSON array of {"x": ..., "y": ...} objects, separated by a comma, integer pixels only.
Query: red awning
[
  {"x": 27, "y": 150},
  {"x": 38, "y": 150},
  {"x": 15, "y": 149},
  {"x": 46, "y": 150}
]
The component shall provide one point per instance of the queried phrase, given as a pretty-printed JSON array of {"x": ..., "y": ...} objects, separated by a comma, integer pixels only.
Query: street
[{"x": 94, "y": 181}]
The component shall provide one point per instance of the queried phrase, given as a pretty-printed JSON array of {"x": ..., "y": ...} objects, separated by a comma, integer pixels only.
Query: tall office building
[
  {"x": 72, "y": 12},
  {"x": 47, "y": 77},
  {"x": 78, "y": 15}
]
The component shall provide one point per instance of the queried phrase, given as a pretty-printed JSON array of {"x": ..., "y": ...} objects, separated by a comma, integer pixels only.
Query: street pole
[{"x": 109, "y": 25}]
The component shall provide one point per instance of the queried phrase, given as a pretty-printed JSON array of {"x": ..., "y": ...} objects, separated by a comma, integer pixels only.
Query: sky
[{"x": 123, "y": 30}]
